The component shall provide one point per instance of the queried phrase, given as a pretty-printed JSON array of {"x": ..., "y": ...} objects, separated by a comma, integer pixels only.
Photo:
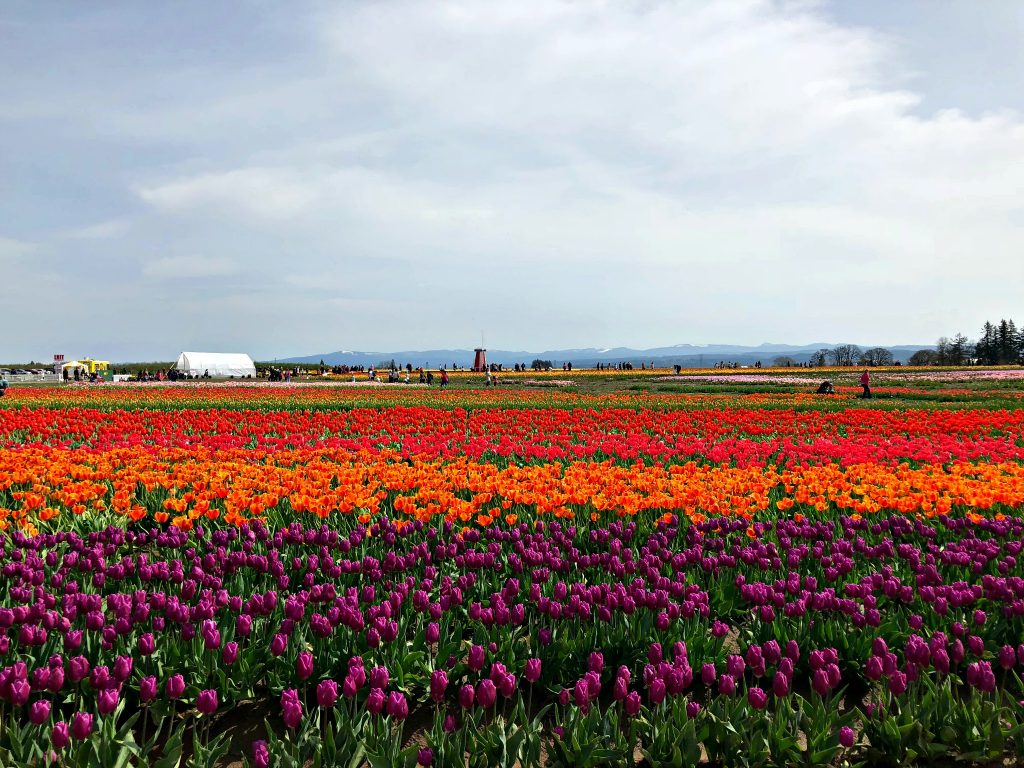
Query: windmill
[{"x": 480, "y": 356}]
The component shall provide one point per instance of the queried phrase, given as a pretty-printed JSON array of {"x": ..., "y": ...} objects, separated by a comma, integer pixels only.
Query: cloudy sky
[{"x": 297, "y": 178}]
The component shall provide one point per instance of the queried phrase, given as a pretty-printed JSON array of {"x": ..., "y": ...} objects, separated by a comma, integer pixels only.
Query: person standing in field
[
  {"x": 865, "y": 381},
  {"x": 444, "y": 379}
]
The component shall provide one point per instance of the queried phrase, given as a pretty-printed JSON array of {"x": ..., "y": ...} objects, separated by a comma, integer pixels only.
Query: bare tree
[
  {"x": 783, "y": 361},
  {"x": 924, "y": 357},
  {"x": 876, "y": 356},
  {"x": 819, "y": 358},
  {"x": 844, "y": 355}
]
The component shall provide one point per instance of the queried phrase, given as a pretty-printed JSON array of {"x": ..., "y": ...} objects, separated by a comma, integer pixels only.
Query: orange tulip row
[{"x": 42, "y": 487}]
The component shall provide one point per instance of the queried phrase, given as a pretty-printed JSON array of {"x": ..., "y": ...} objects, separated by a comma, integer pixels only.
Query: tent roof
[
  {"x": 232, "y": 358},
  {"x": 217, "y": 363}
]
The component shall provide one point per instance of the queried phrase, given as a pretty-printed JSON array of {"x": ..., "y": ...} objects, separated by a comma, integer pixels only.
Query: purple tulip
[
  {"x": 654, "y": 653},
  {"x": 349, "y": 689},
  {"x": 207, "y": 702},
  {"x": 230, "y": 653},
  {"x": 466, "y": 696},
  {"x": 692, "y": 709},
  {"x": 757, "y": 697},
  {"x": 846, "y": 736},
  {"x": 425, "y": 757},
  {"x": 148, "y": 689},
  {"x": 532, "y": 673},
  {"x": 375, "y": 701},
  {"x": 486, "y": 693},
  {"x": 175, "y": 687},
  {"x": 596, "y": 662},
  {"x": 40, "y": 712},
  {"x": 873, "y": 668},
  {"x": 123, "y": 668},
  {"x": 735, "y": 665},
  {"x": 631, "y": 704},
  {"x": 243, "y": 627},
  {"x": 656, "y": 693},
  {"x": 379, "y": 678},
  {"x": 147, "y": 645},
  {"x": 78, "y": 669},
  {"x": 81, "y": 726},
  {"x": 304, "y": 665},
  {"x": 278, "y": 644},
  {"x": 438, "y": 685},
  {"x": 327, "y": 693},
  {"x": 898, "y": 683},
  {"x": 449, "y": 724},
  {"x": 727, "y": 685},
  {"x": 20, "y": 692},
  {"x": 433, "y": 635},
  {"x": 107, "y": 700},
  {"x": 260, "y": 754},
  {"x": 291, "y": 708},
  {"x": 780, "y": 685},
  {"x": 397, "y": 706},
  {"x": 476, "y": 658},
  {"x": 60, "y": 735},
  {"x": 708, "y": 674},
  {"x": 976, "y": 645},
  {"x": 1007, "y": 657}
]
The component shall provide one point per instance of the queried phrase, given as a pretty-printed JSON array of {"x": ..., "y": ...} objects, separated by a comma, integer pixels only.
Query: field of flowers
[{"x": 269, "y": 575}]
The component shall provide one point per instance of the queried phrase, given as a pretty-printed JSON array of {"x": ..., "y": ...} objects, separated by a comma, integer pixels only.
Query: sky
[{"x": 298, "y": 178}]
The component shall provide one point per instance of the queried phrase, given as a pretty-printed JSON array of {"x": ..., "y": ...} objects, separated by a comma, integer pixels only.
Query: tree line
[{"x": 999, "y": 343}]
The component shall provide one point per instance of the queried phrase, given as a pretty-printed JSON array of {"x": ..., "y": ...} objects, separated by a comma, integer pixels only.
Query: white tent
[{"x": 220, "y": 365}]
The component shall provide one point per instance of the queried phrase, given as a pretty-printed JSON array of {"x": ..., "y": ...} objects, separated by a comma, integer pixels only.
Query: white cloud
[
  {"x": 180, "y": 267},
  {"x": 265, "y": 192},
  {"x": 11, "y": 249},
  {"x": 101, "y": 231}
]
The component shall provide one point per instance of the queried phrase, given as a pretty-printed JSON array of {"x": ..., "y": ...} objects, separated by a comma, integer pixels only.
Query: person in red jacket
[{"x": 865, "y": 381}]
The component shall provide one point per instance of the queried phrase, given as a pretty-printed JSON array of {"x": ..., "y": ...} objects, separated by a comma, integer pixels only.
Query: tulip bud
[
  {"x": 476, "y": 658},
  {"x": 656, "y": 693},
  {"x": 757, "y": 697},
  {"x": 106, "y": 701},
  {"x": 60, "y": 735},
  {"x": 304, "y": 665},
  {"x": 327, "y": 693},
  {"x": 207, "y": 702},
  {"x": 846, "y": 736},
  {"x": 148, "y": 688},
  {"x": 40, "y": 712},
  {"x": 260, "y": 754},
  {"x": 379, "y": 678},
  {"x": 533, "y": 668},
  {"x": 486, "y": 693},
  {"x": 727, "y": 685},
  {"x": 397, "y": 705},
  {"x": 81, "y": 725},
  {"x": 375, "y": 701},
  {"x": 175, "y": 687},
  {"x": 291, "y": 708},
  {"x": 433, "y": 633},
  {"x": 438, "y": 685}
]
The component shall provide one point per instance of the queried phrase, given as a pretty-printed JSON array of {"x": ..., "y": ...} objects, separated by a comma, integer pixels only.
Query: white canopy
[{"x": 216, "y": 364}]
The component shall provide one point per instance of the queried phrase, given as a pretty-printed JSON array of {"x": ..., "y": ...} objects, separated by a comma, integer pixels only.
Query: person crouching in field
[{"x": 865, "y": 381}]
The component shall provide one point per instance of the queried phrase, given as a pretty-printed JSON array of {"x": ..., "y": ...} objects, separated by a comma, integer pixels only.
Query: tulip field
[{"x": 306, "y": 575}]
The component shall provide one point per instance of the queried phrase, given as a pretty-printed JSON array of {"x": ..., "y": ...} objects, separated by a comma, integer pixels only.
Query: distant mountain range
[{"x": 686, "y": 355}]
